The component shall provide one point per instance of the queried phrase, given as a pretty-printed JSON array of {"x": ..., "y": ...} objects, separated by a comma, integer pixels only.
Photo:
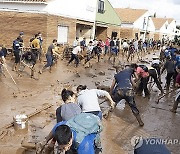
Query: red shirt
[
  {"x": 140, "y": 72},
  {"x": 107, "y": 43}
]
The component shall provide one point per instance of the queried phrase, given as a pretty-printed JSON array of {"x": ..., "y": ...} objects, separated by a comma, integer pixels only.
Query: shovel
[{"x": 164, "y": 95}]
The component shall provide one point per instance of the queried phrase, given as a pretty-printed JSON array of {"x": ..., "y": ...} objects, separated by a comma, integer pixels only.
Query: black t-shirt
[
  {"x": 97, "y": 50},
  {"x": 170, "y": 66},
  {"x": 1, "y": 53},
  {"x": 50, "y": 48},
  {"x": 123, "y": 79},
  {"x": 29, "y": 56},
  {"x": 31, "y": 39},
  {"x": 4, "y": 51},
  {"x": 112, "y": 43}
]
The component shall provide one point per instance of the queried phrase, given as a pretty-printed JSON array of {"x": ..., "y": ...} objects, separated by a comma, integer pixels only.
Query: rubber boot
[
  {"x": 175, "y": 106},
  {"x": 139, "y": 120}
]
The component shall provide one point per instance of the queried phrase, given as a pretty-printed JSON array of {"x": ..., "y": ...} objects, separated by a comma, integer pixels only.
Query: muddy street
[{"x": 31, "y": 95}]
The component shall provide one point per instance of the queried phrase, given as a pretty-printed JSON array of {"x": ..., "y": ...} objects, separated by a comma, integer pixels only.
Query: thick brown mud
[{"x": 31, "y": 95}]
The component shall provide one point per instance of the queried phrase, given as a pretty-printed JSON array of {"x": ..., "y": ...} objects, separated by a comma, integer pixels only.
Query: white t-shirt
[
  {"x": 76, "y": 50},
  {"x": 157, "y": 61},
  {"x": 125, "y": 45},
  {"x": 135, "y": 44},
  {"x": 90, "y": 48},
  {"x": 88, "y": 99},
  {"x": 75, "y": 43}
]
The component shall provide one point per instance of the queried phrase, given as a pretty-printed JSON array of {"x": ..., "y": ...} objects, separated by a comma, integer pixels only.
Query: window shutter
[{"x": 62, "y": 34}]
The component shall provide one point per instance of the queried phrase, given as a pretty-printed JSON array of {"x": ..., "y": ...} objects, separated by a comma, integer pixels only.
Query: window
[
  {"x": 114, "y": 35},
  {"x": 136, "y": 36},
  {"x": 101, "y": 6},
  {"x": 166, "y": 26},
  {"x": 62, "y": 34},
  {"x": 144, "y": 22}
]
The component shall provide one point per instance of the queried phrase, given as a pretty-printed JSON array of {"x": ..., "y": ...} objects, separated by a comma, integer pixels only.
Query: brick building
[{"x": 31, "y": 23}]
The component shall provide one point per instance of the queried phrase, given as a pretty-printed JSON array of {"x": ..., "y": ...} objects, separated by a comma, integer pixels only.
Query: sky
[{"x": 163, "y": 8}]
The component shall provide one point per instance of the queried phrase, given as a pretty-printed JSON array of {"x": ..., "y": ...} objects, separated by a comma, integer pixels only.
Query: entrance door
[
  {"x": 114, "y": 35},
  {"x": 62, "y": 34}
]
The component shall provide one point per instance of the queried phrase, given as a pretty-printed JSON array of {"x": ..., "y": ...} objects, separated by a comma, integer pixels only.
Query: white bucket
[{"x": 20, "y": 122}]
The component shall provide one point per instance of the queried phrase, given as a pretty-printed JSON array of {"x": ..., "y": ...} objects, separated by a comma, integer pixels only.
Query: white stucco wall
[
  {"x": 172, "y": 29},
  {"x": 78, "y": 9},
  {"x": 163, "y": 29},
  {"x": 22, "y": 7},
  {"x": 145, "y": 18},
  {"x": 124, "y": 25},
  {"x": 151, "y": 26}
]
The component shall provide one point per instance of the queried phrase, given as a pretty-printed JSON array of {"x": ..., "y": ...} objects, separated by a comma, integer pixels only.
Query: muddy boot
[
  {"x": 175, "y": 106},
  {"x": 139, "y": 120}
]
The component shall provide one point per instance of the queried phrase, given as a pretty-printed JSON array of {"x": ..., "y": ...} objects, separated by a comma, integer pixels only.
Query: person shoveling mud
[
  {"x": 88, "y": 100},
  {"x": 28, "y": 60},
  {"x": 122, "y": 88}
]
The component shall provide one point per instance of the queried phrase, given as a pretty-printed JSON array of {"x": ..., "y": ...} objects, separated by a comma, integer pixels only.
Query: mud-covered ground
[{"x": 31, "y": 95}]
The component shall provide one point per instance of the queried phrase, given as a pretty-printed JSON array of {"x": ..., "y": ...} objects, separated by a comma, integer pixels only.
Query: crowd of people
[{"x": 79, "y": 119}]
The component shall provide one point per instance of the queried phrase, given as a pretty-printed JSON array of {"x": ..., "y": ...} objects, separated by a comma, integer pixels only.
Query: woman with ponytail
[{"x": 69, "y": 109}]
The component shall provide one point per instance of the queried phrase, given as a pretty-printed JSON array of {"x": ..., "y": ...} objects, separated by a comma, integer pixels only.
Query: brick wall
[
  {"x": 151, "y": 35},
  {"x": 11, "y": 23},
  {"x": 134, "y": 32},
  {"x": 126, "y": 33},
  {"x": 113, "y": 29},
  {"x": 101, "y": 33},
  {"x": 156, "y": 36},
  {"x": 52, "y": 28}
]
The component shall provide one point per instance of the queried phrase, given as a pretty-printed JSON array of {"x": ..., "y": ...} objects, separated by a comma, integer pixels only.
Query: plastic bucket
[{"x": 20, "y": 122}]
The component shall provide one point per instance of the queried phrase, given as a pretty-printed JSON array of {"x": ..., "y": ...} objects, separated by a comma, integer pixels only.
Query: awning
[
  {"x": 101, "y": 25},
  {"x": 84, "y": 22}
]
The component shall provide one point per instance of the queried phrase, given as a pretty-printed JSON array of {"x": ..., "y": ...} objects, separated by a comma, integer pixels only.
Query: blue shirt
[
  {"x": 123, "y": 79},
  {"x": 167, "y": 53},
  {"x": 172, "y": 52},
  {"x": 86, "y": 146},
  {"x": 177, "y": 60}
]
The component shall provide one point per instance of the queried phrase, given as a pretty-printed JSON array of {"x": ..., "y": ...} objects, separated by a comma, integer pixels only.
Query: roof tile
[
  {"x": 128, "y": 15},
  {"x": 159, "y": 22}
]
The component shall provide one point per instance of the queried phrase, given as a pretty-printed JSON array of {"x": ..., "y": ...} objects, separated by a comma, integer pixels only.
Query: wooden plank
[{"x": 29, "y": 116}]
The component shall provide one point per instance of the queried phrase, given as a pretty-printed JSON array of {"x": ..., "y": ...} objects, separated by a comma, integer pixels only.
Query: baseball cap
[{"x": 21, "y": 33}]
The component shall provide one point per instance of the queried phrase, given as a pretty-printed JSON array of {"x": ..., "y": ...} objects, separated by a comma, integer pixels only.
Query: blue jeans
[
  {"x": 106, "y": 49},
  {"x": 49, "y": 60},
  {"x": 74, "y": 56}
]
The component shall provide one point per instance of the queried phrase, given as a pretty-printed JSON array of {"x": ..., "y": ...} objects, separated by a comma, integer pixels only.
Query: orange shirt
[{"x": 36, "y": 43}]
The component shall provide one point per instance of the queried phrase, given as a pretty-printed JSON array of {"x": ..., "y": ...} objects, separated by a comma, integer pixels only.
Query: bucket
[{"x": 20, "y": 122}]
